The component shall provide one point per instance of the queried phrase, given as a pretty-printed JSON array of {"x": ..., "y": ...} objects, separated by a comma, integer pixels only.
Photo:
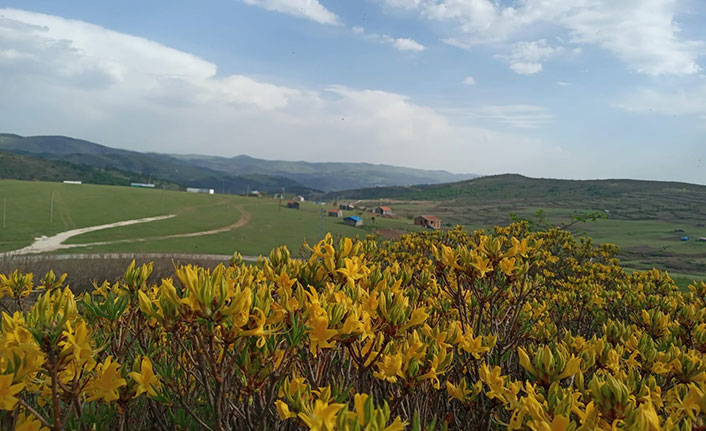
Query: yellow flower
[
  {"x": 320, "y": 334},
  {"x": 647, "y": 418},
  {"x": 482, "y": 265},
  {"x": 473, "y": 345},
  {"x": 322, "y": 417},
  {"x": 78, "y": 344},
  {"x": 438, "y": 360},
  {"x": 494, "y": 380},
  {"x": 8, "y": 392},
  {"x": 417, "y": 317},
  {"x": 459, "y": 392},
  {"x": 352, "y": 271},
  {"x": 106, "y": 383},
  {"x": 389, "y": 368},
  {"x": 359, "y": 403},
  {"x": 283, "y": 410},
  {"x": 29, "y": 423},
  {"x": 507, "y": 265},
  {"x": 572, "y": 367},
  {"x": 560, "y": 423},
  {"x": 352, "y": 324},
  {"x": 396, "y": 425},
  {"x": 146, "y": 379}
]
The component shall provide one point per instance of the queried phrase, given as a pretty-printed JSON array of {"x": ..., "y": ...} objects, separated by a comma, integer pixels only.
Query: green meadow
[
  {"x": 251, "y": 226},
  {"x": 222, "y": 224}
]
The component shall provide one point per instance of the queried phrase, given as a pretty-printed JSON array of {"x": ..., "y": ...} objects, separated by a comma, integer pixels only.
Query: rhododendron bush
[{"x": 454, "y": 330}]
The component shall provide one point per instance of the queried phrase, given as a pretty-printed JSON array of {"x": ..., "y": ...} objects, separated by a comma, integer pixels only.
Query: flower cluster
[{"x": 509, "y": 329}]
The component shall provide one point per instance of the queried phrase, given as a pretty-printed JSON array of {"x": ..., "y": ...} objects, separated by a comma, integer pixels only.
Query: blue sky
[{"x": 564, "y": 88}]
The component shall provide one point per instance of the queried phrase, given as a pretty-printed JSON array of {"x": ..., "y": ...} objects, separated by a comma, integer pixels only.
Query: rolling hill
[
  {"x": 236, "y": 174},
  {"x": 327, "y": 176},
  {"x": 145, "y": 165},
  {"x": 20, "y": 167},
  {"x": 512, "y": 188}
]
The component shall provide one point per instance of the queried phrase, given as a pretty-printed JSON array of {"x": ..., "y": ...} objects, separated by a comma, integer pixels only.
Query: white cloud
[
  {"x": 518, "y": 116},
  {"x": 526, "y": 68},
  {"x": 469, "y": 80},
  {"x": 642, "y": 33},
  {"x": 85, "y": 56},
  {"x": 407, "y": 44},
  {"x": 400, "y": 43},
  {"x": 526, "y": 57},
  {"x": 78, "y": 79},
  {"x": 563, "y": 83},
  {"x": 310, "y": 9}
]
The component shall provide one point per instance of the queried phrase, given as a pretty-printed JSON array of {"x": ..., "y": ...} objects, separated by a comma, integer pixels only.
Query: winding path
[
  {"x": 244, "y": 219},
  {"x": 56, "y": 242},
  {"x": 51, "y": 243}
]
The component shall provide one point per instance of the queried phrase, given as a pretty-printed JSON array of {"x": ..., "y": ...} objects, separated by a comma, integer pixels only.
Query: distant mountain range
[
  {"x": 236, "y": 175},
  {"x": 513, "y": 187},
  {"x": 327, "y": 176}
]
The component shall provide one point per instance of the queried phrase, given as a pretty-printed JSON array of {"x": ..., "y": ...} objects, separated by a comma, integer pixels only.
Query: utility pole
[
  {"x": 51, "y": 209},
  {"x": 280, "y": 200},
  {"x": 321, "y": 224}
]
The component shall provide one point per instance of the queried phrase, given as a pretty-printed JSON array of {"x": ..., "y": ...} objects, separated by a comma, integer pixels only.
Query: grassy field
[
  {"x": 267, "y": 225},
  {"x": 647, "y": 229}
]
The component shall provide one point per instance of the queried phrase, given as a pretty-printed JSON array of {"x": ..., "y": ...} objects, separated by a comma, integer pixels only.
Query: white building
[{"x": 197, "y": 190}]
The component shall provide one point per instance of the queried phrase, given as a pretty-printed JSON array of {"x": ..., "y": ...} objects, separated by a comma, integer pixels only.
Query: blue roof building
[{"x": 353, "y": 221}]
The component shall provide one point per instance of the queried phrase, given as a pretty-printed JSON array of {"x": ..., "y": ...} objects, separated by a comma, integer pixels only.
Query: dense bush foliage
[{"x": 441, "y": 330}]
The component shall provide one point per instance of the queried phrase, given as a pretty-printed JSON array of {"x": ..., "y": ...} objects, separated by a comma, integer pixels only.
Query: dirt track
[
  {"x": 47, "y": 244},
  {"x": 56, "y": 242},
  {"x": 244, "y": 219}
]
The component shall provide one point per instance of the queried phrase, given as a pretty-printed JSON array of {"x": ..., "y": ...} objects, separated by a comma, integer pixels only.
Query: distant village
[
  {"x": 425, "y": 220},
  {"x": 428, "y": 221}
]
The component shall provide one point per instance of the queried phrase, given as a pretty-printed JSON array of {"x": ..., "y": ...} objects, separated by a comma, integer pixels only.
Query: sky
[{"x": 546, "y": 88}]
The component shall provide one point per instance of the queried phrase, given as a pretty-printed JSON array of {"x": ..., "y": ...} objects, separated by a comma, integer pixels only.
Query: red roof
[
  {"x": 431, "y": 218},
  {"x": 386, "y": 208},
  {"x": 334, "y": 210}
]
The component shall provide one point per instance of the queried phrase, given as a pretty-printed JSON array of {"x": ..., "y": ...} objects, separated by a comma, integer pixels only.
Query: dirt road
[{"x": 51, "y": 243}]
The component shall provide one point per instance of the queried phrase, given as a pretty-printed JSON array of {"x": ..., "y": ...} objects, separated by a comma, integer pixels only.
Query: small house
[
  {"x": 198, "y": 190},
  {"x": 353, "y": 221},
  {"x": 335, "y": 213},
  {"x": 430, "y": 221},
  {"x": 142, "y": 185},
  {"x": 347, "y": 207},
  {"x": 299, "y": 198},
  {"x": 702, "y": 239},
  {"x": 255, "y": 194},
  {"x": 71, "y": 182},
  {"x": 293, "y": 204},
  {"x": 382, "y": 210}
]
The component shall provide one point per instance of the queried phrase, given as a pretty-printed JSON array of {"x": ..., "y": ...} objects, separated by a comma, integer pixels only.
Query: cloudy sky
[{"x": 547, "y": 88}]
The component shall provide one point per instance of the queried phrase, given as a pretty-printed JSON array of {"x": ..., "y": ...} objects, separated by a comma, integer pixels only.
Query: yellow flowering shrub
[{"x": 457, "y": 330}]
